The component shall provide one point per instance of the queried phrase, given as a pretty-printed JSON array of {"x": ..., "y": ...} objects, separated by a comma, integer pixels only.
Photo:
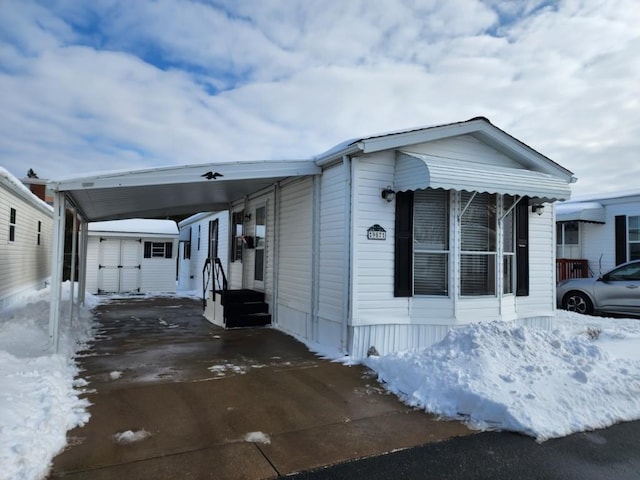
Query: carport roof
[{"x": 176, "y": 190}]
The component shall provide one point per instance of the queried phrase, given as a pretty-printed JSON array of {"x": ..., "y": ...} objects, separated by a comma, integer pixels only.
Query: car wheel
[{"x": 577, "y": 302}]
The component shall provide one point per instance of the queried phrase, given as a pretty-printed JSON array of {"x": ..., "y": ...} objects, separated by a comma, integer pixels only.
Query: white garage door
[{"x": 119, "y": 265}]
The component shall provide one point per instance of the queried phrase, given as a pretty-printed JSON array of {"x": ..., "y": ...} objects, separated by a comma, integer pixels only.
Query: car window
[{"x": 628, "y": 272}]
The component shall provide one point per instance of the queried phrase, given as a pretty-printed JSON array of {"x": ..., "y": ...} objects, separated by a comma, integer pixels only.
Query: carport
[{"x": 150, "y": 193}]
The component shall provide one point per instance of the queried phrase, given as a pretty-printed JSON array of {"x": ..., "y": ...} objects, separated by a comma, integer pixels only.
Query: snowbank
[
  {"x": 544, "y": 384},
  {"x": 39, "y": 391}
]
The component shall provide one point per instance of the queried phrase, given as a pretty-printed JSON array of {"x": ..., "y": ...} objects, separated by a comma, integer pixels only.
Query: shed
[
  {"x": 386, "y": 241},
  {"x": 132, "y": 256},
  {"x": 26, "y": 225}
]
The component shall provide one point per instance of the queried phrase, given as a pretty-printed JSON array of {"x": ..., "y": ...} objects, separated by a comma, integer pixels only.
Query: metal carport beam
[{"x": 57, "y": 259}]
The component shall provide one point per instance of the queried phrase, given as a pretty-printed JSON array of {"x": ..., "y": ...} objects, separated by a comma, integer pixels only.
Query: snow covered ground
[
  {"x": 582, "y": 375},
  {"x": 39, "y": 390}
]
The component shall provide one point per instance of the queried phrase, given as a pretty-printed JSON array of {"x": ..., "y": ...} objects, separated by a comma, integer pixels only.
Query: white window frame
[{"x": 636, "y": 233}]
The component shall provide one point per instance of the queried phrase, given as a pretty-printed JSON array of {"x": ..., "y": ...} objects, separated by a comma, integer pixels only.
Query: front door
[{"x": 260, "y": 241}]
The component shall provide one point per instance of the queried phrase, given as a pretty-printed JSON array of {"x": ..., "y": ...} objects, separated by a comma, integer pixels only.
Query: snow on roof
[
  {"x": 136, "y": 225},
  {"x": 194, "y": 218},
  {"x": 19, "y": 188},
  {"x": 580, "y": 211}
]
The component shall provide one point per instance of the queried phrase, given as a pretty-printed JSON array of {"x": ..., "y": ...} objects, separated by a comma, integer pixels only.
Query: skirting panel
[
  {"x": 293, "y": 321},
  {"x": 393, "y": 338}
]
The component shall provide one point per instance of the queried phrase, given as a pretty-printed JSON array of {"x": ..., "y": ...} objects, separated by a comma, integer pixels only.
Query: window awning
[
  {"x": 590, "y": 212},
  {"x": 414, "y": 171}
]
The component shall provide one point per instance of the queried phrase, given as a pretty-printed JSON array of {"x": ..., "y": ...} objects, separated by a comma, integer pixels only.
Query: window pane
[
  {"x": 508, "y": 242},
  {"x": 477, "y": 275},
  {"x": 634, "y": 251},
  {"x": 571, "y": 233},
  {"x": 634, "y": 229},
  {"x": 507, "y": 274},
  {"x": 430, "y": 274},
  {"x": 261, "y": 226},
  {"x": 478, "y": 224},
  {"x": 431, "y": 219},
  {"x": 431, "y": 242}
]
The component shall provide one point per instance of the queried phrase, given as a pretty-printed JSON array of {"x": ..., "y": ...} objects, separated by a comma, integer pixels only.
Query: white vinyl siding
[
  {"x": 466, "y": 148},
  {"x": 295, "y": 256},
  {"x": 331, "y": 264},
  {"x": 25, "y": 264},
  {"x": 373, "y": 260},
  {"x": 542, "y": 286}
]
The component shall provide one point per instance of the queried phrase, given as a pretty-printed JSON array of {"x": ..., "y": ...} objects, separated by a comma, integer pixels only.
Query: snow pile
[
  {"x": 257, "y": 437},
  {"x": 544, "y": 384},
  {"x": 39, "y": 392},
  {"x": 129, "y": 436}
]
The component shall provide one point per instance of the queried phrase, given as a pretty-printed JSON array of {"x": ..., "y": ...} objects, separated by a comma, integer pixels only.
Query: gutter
[{"x": 337, "y": 156}]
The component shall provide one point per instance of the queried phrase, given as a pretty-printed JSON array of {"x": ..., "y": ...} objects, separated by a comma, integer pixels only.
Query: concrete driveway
[{"x": 174, "y": 396}]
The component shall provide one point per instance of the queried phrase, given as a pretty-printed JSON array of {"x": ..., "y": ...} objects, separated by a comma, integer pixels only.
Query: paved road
[{"x": 613, "y": 453}]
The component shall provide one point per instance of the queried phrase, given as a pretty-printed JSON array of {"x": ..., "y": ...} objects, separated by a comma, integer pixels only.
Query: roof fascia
[{"x": 481, "y": 128}]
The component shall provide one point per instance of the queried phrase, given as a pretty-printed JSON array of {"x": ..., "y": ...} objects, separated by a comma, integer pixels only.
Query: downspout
[
  {"x": 276, "y": 252},
  {"x": 346, "y": 291},
  {"x": 315, "y": 259},
  {"x": 57, "y": 260}
]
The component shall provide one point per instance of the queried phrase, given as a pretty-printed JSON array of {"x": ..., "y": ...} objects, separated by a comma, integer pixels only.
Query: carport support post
[
  {"x": 72, "y": 273},
  {"x": 57, "y": 261},
  {"x": 82, "y": 265}
]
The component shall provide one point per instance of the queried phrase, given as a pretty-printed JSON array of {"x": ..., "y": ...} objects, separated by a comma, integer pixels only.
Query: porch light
[
  {"x": 388, "y": 194},
  {"x": 539, "y": 209}
]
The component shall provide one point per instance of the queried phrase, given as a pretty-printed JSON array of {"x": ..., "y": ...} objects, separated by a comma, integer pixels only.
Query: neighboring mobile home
[
  {"x": 386, "y": 241},
  {"x": 25, "y": 240},
  {"x": 203, "y": 238},
  {"x": 132, "y": 256},
  {"x": 596, "y": 233}
]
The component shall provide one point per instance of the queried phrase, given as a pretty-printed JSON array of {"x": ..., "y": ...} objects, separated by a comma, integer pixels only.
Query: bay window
[{"x": 471, "y": 234}]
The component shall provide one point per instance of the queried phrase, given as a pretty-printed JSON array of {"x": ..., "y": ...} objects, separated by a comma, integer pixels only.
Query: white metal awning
[
  {"x": 176, "y": 190},
  {"x": 592, "y": 212},
  {"x": 414, "y": 171}
]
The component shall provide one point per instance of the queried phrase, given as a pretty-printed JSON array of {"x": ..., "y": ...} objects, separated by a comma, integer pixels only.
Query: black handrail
[
  {"x": 220, "y": 279},
  {"x": 219, "y": 271},
  {"x": 206, "y": 276}
]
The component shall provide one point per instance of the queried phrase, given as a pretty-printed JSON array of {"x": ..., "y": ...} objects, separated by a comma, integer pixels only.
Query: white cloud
[{"x": 294, "y": 78}]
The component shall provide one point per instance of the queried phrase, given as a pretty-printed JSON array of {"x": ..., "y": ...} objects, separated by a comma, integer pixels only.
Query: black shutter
[
  {"x": 621, "y": 239},
  {"x": 147, "y": 249},
  {"x": 403, "y": 272},
  {"x": 168, "y": 250},
  {"x": 522, "y": 248}
]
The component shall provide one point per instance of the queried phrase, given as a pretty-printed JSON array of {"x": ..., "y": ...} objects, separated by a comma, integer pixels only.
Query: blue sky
[{"x": 112, "y": 84}]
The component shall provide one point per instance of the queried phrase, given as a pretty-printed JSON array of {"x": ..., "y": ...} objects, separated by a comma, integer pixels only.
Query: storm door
[{"x": 260, "y": 241}]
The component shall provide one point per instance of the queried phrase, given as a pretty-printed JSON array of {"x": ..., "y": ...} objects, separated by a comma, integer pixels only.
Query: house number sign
[{"x": 376, "y": 232}]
